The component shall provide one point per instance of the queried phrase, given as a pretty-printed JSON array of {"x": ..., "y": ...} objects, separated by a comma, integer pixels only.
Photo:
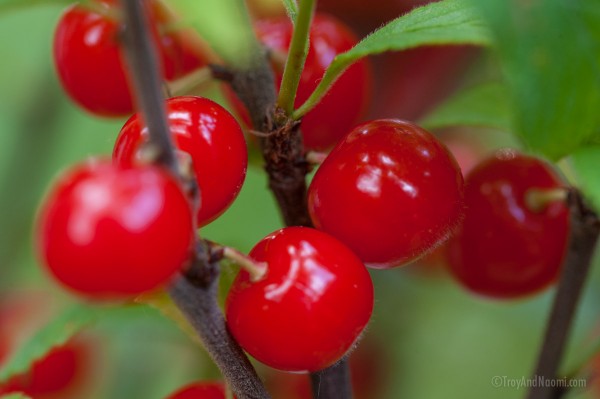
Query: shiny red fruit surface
[
  {"x": 91, "y": 67},
  {"x": 504, "y": 249},
  {"x": 200, "y": 390},
  {"x": 113, "y": 231},
  {"x": 309, "y": 308},
  {"x": 390, "y": 191},
  {"x": 349, "y": 97},
  {"x": 213, "y": 139}
]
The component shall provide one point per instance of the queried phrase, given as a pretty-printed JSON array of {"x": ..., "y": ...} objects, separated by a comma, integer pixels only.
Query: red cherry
[
  {"x": 347, "y": 100},
  {"x": 114, "y": 231},
  {"x": 213, "y": 139},
  {"x": 57, "y": 373},
  {"x": 310, "y": 307},
  {"x": 390, "y": 191},
  {"x": 504, "y": 249},
  {"x": 90, "y": 65},
  {"x": 200, "y": 390}
]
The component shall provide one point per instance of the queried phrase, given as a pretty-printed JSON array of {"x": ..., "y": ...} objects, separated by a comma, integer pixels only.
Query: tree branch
[
  {"x": 333, "y": 382},
  {"x": 195, "y": 291},
  {"x": 585, "y": 229}
]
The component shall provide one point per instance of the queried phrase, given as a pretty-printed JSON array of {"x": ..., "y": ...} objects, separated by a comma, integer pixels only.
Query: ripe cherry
[
  {"x": 506, "y": 249},
  {"x": 348, "y": 98},
  {"x": 389, "y": 190},
  {"x": 51, "y": 375},
  {"x": 200, "y": 390},
  {"x": 309, "y": 308},
  {"x": 88, "y": 59},
  {"x": 115, "y": 231},
  {"x": 213, "y": 139}
]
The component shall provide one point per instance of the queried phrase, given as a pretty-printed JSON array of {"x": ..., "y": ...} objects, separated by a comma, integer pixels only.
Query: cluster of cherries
[{"x": 387, "y": 193}]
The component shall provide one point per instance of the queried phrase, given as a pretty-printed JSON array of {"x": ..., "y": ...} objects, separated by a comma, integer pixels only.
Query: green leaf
[
  {"x": 484, "y": 105},
  {"x": 586, "y": 162},
  {"x": 291, "y": 7},
  {"x": 11, "y": 5},
  {"x": 225, "y": 25},
  {"x": 15, "y": 396},
  {"x": 56, "y": 333},
  {"x": 549, "y": 51},
  {"x": 443, "y": 22}
]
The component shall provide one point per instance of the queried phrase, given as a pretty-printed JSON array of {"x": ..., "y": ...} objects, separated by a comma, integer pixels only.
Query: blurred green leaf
[
  {"x": 443, "y": 22},
  {"x": 225, "y": 25},
  {"x": 484, "y": 105},
  {"x": 15, "y": 396},
  {"x": 54, "y": 334},
  {"x": 549, "y": 51},
  {"x": 586, "y": 162},
  {"x": 291, "y": 8},
  {"x": 11, "y": 5}
]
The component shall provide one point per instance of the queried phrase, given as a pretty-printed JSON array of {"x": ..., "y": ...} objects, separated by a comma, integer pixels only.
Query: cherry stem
[
  {"x": 585, "y": 230},
  {"x": 296, "y": 56},
  {"x": 195, "y": 292},
  {"x": 537, "y": 199},
  {"x": 316, "y": 157},
  {"x": 256, "y": 270}
]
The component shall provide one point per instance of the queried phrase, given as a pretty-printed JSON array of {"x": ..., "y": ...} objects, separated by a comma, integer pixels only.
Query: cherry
[
  {"x": 309, "y": 308},
  {"x": 506, "y": 249},
  {"x": 89, "y": 62},
  {"x": 60, "y": 373},
  {"x": 114, "y": 231},
  {"x": 200, "y": 390},
  {"x": 213, "y": 139},
  {"x": 389, "y": 190},
  {"x": 348, "y": 98}
]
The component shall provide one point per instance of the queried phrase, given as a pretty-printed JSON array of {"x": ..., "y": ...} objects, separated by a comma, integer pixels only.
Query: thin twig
[
  {"x": 585, "y": 229},
  {"x": 195, "y": 291}
]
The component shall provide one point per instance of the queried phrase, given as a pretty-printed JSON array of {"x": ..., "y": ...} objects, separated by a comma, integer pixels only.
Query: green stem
[
  {"x": 296, "y": 57},
  {"x": 335, "y": 70}
]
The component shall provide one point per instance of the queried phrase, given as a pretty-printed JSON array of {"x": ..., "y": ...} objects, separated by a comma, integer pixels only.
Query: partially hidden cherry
[
  {"x": 91, "y": 66},
  {"x": 504, "y": 248},
  {"x": 349, "y": 97},
  {"x": 213, "y": 139},
  {"x": 390, "y": 191},
  {"x": 310, "y": 307},
  {"x": 200, "y": 390},
  {"x": 113, "y": 231}
]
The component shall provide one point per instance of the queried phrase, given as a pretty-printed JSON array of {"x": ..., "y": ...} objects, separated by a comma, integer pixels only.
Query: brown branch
[
  {"x": 333, "y": 382},
  {"x": 585, "y": 229},
  {"x": 194, "y": 292}
]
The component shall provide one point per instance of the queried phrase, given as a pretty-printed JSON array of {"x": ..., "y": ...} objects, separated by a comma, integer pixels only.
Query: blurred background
[{"x": 428, "y": 338}]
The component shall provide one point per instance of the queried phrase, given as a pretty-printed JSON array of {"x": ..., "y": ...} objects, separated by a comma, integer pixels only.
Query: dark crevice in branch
[
  {"x": 195, "y": 291},
  {"x": 585, "y": 229}
]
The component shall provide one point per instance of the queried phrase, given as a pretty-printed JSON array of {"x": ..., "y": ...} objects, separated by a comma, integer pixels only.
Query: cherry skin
[
  {"x": 200, "y": 390},
  {"x": 109, "y": 231},
  {"x": 390, "y": 191},
  {"x": 89, "y": 62},
  {"x": 350, "y": 96},
  {"x": 213, "y": 139},
  {"x": 505, "y": 249},
  {"x": 309, "y": 308}
]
